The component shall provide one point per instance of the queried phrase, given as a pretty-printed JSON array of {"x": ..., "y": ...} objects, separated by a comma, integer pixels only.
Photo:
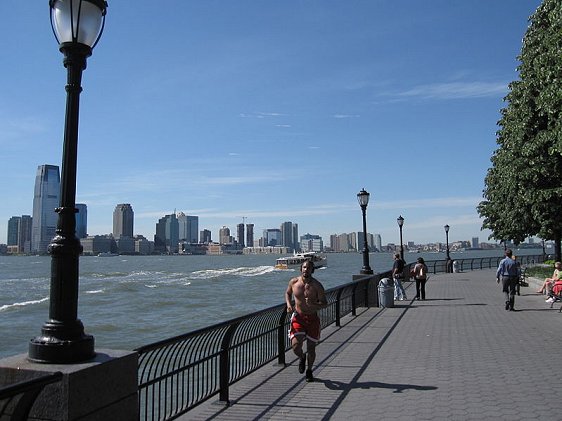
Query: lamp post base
[{"x": 68, "y": 347}]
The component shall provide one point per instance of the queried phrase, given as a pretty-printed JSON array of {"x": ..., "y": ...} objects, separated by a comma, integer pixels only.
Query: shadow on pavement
[{"x": 398, "y": 388}]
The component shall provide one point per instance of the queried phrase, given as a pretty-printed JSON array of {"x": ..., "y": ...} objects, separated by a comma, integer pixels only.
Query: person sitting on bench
[{"x": 548, "y": 282}]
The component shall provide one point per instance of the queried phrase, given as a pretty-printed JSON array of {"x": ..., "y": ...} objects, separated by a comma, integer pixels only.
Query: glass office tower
[
  {"x": 45, "y": 201},
  {"x": 81, "y": 220}
]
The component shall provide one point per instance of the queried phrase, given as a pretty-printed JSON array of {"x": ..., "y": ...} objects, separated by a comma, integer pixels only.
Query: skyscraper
[
  {"x": 166, "y": 239},
  {"x": 224, "y": 235},
  {"x": 45, "y": 201},
  {"x": 272, "y": 237},
  {"x": 249, "y": 235},
  {"x": 188, "y": 227},
  {"x": 81, "y": 220},
  {"x": 13, "y": 227},
  {"x": 123, "y": 219},
  {"x": 19, "y": 233},
  {"x": 205, "y": 236},
  {"x": 240, "y": 234},
  {"x": 289, "y": 235}
]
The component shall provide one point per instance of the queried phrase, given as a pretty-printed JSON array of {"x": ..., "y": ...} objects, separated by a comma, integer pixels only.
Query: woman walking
[{"x": 420, "y": 276}]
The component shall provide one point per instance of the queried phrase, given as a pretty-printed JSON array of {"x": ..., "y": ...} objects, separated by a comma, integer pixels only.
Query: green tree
[{"x": 522, "y": 194}]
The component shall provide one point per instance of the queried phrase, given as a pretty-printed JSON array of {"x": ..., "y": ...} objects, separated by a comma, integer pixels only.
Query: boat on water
[
  {"x": 295, "y": 261},
  {"x": 107, "y": 254}
]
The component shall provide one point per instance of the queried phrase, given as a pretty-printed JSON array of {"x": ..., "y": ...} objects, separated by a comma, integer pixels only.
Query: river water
[{"x": 129, "y": 301}]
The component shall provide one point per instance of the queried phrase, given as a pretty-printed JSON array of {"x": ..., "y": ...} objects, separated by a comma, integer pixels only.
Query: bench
[{"x": 522, "y": 280}]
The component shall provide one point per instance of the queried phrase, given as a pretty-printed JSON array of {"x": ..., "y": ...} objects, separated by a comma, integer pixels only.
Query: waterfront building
[
  {"x": 123, "y": 220},
  {"x": 188, "y": 226},
  {"x": 290, "y": 235},
  {"x": 166, "y": 239},
  {"x": 271, "y": 237},
  {"x": 378, "y": 242},
  {"x": 341, "y": 242},
  {"x": 143, "y": 246},
  {"x": 19, "y": 234},
  {"x": 266, "y": 250},
  {"x": 224, "y": 235},
  {"x": 45, "y": 201},
  {"x": 250, "y": 235},
  {"x": 240, "y": 234},
  {"x": 96, "y": 244},
  {"x": 475, "y": 243},
  {"x": 192, "y": 248},
  {"x": 125, "y": 245},
  {"x": 370, "y": 241},
  {"x": 205, "y": 236},
  {"x": 13, "y": 228},
  {"x": 81, "y": 220},
  {"x": 311, "y": 242}
]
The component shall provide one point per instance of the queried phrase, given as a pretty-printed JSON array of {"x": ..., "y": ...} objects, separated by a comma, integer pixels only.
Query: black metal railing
[
  {"x": 16, "y": 400},
  {"x": 179, "y": 373}
]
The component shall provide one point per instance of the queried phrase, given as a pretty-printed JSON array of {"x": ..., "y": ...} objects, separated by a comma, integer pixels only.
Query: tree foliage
[{"x": 522, "y": 194}]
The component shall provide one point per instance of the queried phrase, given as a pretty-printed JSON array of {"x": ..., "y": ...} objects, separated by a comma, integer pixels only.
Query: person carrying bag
[{"x": 420, "y": 276}]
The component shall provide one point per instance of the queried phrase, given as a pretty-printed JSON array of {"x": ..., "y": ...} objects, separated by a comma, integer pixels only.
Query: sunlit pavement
[{"x": 458, "y": 355}]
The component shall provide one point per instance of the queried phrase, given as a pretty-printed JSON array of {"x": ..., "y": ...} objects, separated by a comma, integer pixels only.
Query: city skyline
[
  {"x": 123, "y": 222},
  {"x": 271, "y": 112}
]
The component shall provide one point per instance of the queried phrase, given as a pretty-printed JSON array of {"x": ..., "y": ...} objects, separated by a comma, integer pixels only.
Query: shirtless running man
[{"x": 305, "y": 324}]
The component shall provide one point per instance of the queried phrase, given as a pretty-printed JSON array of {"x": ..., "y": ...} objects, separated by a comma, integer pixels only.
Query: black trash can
[{"x": 386, "y": 292}]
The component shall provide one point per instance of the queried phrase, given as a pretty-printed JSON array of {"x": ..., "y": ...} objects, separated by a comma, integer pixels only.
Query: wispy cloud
[
  {"x": 259, "y": 114},
  {"x": 346, "y": 116},
  {"x": 454, "y": 90}
]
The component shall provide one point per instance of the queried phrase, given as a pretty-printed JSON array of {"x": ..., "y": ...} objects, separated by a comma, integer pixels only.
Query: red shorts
[{"x": 305, "y": 324}]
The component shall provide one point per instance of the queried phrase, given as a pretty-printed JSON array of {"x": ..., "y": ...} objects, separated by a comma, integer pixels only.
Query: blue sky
[{"x": 273, "y": 111}]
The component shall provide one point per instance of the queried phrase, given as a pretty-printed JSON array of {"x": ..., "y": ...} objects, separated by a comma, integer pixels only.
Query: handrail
[
  {"x": 179, "y": 373},
  {"x": 18, "y": 409}
]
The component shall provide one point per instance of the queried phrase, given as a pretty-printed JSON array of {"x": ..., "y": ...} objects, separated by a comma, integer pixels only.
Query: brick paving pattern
[{"x": 459, "y": 355}]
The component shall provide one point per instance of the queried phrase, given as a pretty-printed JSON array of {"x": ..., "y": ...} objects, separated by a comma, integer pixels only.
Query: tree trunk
[{"x": 557, "y": 251}]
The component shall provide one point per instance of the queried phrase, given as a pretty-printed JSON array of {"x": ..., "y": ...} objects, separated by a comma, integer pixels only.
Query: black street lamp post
[
  {"x": 447, "y": 242},
  {"x": 77, "y": 25},
  {"x": 400, "y": 221},
  {"x": 363, "y": 199}
]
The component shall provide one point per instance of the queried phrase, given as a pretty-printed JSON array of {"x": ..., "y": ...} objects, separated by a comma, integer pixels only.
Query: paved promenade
[{"x": 459, "y": 355}]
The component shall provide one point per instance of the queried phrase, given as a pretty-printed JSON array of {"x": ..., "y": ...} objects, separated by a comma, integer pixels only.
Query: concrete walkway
[{"x": 459, "y": 355}]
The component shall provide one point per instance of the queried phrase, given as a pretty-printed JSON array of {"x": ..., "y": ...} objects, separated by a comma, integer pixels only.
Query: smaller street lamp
[
  {"x": 363, "y": 199},
  {"x": 400, "y": 221},
  {"x": 447, "y": 242}
]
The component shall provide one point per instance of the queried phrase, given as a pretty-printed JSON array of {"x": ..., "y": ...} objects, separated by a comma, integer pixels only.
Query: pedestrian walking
[
  {"x": 508, "y": 274},
  {"x": 420, "y": 276},
  {"x": 398, "y": 277}
]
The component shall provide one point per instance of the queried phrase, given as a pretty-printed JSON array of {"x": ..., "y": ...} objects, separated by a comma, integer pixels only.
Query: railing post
[
  {"x": 375, "y": 287},
  {"x": 224, "y": 365},
  {"x": 366, "y": 292},
  {"x": 338, "y": 303},
  {"x": 353, "y": 312},
  {"x": 281, "y": 338}
]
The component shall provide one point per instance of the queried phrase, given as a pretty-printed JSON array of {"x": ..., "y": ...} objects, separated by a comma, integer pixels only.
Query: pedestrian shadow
[{"x": 398, "y": 387}]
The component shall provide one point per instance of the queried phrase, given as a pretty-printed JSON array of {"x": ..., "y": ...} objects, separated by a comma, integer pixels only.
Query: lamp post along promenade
[
  {"x": 363, "y": 199},
  {"x": 77, "y": 25},
  {"x": 400, "y": 221}
]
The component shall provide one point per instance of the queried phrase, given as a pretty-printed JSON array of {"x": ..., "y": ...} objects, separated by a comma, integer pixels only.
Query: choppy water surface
[{"x": 129, "y": 301}]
